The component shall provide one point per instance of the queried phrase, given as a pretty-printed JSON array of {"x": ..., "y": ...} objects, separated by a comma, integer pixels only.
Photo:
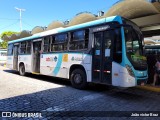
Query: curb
[{"x": 149, "y": 88}]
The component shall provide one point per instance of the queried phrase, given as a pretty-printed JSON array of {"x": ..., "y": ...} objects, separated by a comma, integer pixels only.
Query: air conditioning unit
[{"x": 100, "y": 13}]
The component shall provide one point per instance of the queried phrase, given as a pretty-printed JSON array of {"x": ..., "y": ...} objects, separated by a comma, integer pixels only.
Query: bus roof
[{"x": 61, "y": 30}]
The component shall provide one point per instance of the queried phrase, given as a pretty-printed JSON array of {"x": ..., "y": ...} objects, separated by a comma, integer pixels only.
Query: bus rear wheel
[
  {"x": 22, "y": 70},
  {"x": 78, "y": 79}
]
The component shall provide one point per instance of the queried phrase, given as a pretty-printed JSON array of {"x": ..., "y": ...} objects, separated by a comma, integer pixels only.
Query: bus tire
[
  {"x": 78, "y": 79},
  {"x": 22, "y": 70}
]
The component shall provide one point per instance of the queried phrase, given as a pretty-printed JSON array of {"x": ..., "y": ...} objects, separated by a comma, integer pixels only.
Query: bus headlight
[{"x": 130, "y": 71}]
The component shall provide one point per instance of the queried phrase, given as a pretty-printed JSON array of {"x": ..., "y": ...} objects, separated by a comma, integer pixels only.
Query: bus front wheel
[
  {"x": 22, "y": 70},
  {"x": 78, "y": 79}
]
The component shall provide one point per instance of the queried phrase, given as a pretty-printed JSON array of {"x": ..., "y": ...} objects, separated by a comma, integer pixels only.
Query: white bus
[{"x": 101, "y": 51}]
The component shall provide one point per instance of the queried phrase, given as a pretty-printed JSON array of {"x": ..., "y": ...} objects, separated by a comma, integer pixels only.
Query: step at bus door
[
  {"x": 102, "y": 57},
  {"x": 15, "y": 57},
  {"x": 36, "y": 56}
]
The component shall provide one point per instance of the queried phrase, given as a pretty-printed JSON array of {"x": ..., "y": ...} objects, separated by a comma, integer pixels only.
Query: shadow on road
[
  {"x": 52, "y": 101},
  {"x": 131, "y": 94},
  {"x": 42, "y": 77},
  {"x": 95, "y": 98},
  {"x": 60, "y": 81}
]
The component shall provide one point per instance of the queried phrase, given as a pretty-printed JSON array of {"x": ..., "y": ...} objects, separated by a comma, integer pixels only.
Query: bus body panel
[
  {"x": 120, "y": 76},
  {"x": 58, "y": 65},
  {"x": 10, "y": 62},
  {"x": 140, "y": 76},
  {"x": 26, "y": 60}
]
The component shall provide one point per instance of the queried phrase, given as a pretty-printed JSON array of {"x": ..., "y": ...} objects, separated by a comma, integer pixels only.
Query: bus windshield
[
  {"x": 134, "y": 47},
  {"x": 133, "y": 42}
]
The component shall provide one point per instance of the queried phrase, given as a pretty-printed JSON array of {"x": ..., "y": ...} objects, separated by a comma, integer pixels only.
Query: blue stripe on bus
[
  {"x": 24, "y": 39},
  {"x": 91, "y": 23},
  {"x": 58, "y": 65},
  {"x": 117, "y": 18}
]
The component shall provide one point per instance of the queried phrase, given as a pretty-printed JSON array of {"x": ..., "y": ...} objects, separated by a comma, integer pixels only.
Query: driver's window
[
  {"x": 136, "y": 47},
  {"x": 129, "y": 40}
]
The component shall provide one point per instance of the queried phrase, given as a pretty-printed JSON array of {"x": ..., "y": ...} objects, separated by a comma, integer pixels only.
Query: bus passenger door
[
  {"x": 102, "y": 57},
  {"x": 15, "y": 57},
  {"x": 36, "y": 56}
]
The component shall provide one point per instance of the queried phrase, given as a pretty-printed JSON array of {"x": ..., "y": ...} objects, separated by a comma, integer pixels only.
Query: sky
[{"x": 43, "y": 12}]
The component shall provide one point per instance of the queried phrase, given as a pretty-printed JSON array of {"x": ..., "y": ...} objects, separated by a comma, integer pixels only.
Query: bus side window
[
  {"x": 28, "y": 47},
  {"x": 10, "y": 49},
  {"x": 23, "y": 48},
  {"x": 79, "y": 40},
  {"x": 59, "y": 42},
  {"x": 52, "y": 43},
  {"x": 117, "y": 57},
  {"x": 46, "y": 45}
]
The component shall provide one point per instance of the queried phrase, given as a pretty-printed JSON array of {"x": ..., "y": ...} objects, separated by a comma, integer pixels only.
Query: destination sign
[{"x": 101, "y": 28}]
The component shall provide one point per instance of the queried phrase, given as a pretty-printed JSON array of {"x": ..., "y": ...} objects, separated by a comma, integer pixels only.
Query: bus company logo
[
  {"x": 55, "y": 59},
  {"x": 76, "y": 59},
  {"x": 50, "y": 59},
  {"x": 6, "y": 114},
  {"x": 65, "y": 58},
  {"x": 72, "y": 58},
  {"x": 21, "y": 115}
]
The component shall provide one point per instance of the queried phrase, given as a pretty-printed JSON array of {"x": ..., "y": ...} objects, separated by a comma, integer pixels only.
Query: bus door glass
[
  {"x": 15, "y": 57},
  {"x": 36, "y": 56},
  {"x": 102, "y": 57}
]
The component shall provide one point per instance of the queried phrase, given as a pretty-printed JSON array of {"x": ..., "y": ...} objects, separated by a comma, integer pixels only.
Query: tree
[
  {"x": 4, "y": 43},
  {"x": 7, "y": 33}
]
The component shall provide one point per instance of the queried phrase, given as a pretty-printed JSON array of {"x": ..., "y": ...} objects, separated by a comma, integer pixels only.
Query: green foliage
[
  {"x": 3, "y": 44},
  {"x": 8, "y": 33}
]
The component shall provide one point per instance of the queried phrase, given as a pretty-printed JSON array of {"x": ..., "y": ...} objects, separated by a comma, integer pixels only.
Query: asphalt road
[{"x": 42, "y": 97}]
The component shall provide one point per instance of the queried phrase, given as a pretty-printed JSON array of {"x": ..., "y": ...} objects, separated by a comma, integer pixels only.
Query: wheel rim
[
  {"x": 78, "y": 78},
  {"x": 22, "y": 70}
]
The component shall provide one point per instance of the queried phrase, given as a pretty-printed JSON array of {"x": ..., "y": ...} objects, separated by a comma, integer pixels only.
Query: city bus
[
  {"x": 106, "y": 51},
  {"x": 3, "y": 56}
]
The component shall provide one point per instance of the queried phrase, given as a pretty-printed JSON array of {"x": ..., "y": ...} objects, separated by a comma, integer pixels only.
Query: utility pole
[{"x": 20, "y": 16}]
